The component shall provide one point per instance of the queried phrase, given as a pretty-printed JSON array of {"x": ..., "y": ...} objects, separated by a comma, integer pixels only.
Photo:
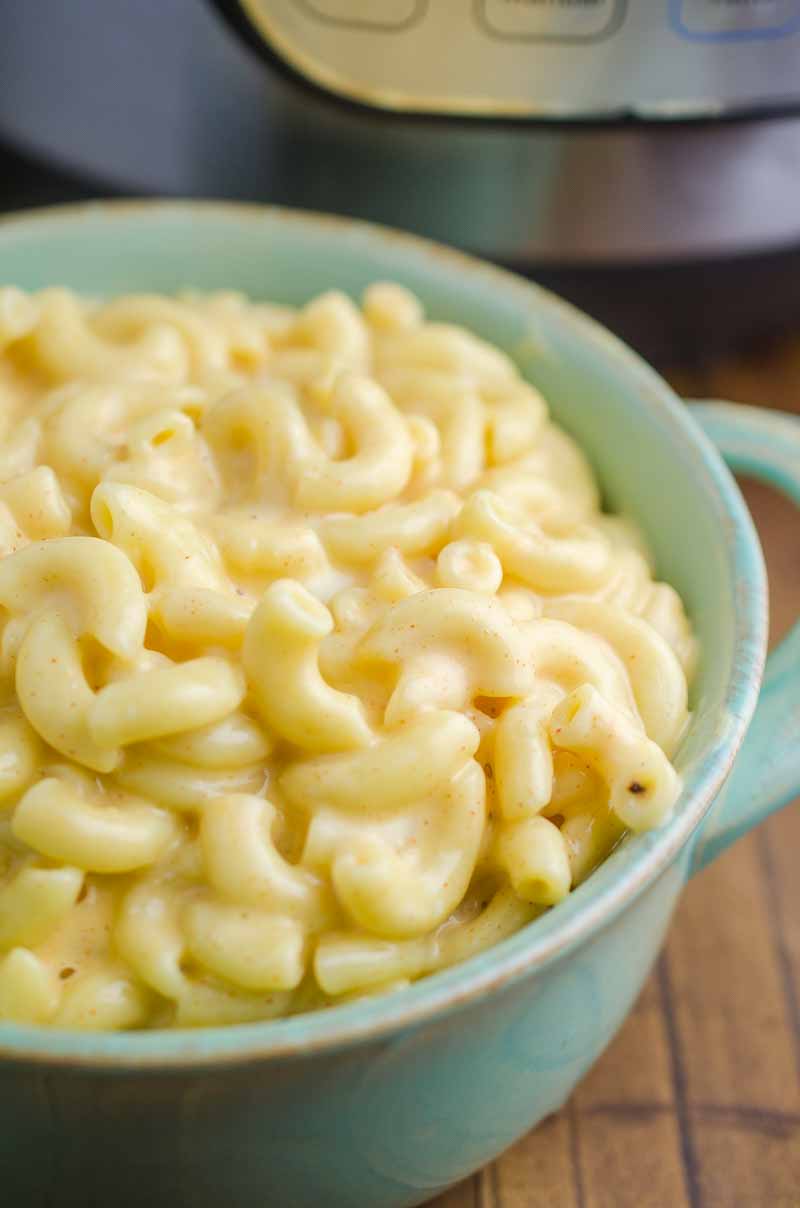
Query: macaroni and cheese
[{"x": 321, "y": 668}]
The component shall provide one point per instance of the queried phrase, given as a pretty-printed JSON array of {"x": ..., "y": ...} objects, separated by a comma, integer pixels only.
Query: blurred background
[{"x": 640, "y": 157}]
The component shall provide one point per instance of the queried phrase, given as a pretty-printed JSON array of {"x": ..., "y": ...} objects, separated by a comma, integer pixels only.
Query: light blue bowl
[{"x": 386, "y": 1102}]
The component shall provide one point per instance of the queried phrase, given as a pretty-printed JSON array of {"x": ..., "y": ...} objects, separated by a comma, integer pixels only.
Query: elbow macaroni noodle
[{"x": 320, "y": 667}]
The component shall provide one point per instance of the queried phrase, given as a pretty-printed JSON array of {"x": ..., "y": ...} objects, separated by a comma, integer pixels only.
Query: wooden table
[{"x": 697, "y": 1102}]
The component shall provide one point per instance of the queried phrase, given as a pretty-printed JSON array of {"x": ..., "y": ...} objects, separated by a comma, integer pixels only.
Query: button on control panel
[
  {"x": 735, "y": 20},
  {"x": 551, "y": 20},
  {"x": 386, "y": 15}
]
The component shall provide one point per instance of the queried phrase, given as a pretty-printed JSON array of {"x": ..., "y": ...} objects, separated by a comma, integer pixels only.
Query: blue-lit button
[{"x": 735, "y": 20}]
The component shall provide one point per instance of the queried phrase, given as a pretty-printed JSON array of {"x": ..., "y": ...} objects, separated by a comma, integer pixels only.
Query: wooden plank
[
  {"x": 463, "y": 1195},
  {"x": 630, "y": 1158},
  {"x": 736, "y": 1032},
  {"x": 538, "y": 1171},
  {"x": 486, "y": 1188},
  {"x": 749, "y": 1160},
  {"x": 779, "y": 845},
  {"x": 629, "y": 1141}
]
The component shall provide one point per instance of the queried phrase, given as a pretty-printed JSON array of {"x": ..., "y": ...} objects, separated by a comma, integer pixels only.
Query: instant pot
[{"x": 640, "y": 156}]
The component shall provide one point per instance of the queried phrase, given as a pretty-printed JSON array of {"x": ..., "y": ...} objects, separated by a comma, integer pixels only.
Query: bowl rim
[{"x": 534, "y": 946}]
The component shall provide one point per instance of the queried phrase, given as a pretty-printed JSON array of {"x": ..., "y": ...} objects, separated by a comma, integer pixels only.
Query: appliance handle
[{"x": 766, "y": 775}]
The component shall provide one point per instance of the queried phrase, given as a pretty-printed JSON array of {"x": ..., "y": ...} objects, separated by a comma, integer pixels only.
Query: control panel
[{"x": 543, "y": 58}]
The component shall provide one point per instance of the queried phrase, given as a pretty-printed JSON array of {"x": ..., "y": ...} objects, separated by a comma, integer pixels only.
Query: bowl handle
[{"x": 766, "y": 776}]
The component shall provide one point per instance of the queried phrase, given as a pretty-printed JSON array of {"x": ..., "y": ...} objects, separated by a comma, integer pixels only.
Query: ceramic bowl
[{"x": 385, "y": 1102}]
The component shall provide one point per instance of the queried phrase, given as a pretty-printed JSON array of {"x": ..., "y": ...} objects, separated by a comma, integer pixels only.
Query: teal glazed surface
[{"x": 385, "y": 1102}]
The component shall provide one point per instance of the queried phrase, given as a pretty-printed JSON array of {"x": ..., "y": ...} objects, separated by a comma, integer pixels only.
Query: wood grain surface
[{"x": 696, "y": 1104}]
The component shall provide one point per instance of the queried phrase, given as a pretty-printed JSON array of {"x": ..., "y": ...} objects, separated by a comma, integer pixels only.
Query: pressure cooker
[{"x": 642, "y": 156}]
